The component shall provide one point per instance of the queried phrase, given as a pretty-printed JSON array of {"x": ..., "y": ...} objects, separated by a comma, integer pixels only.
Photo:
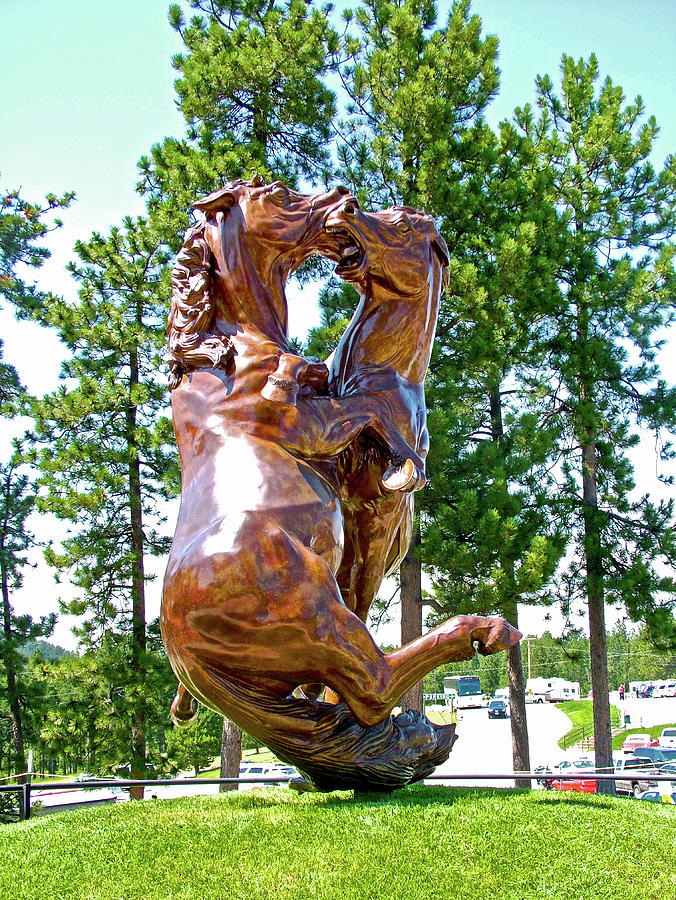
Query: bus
[{"x": 463, "y": 691}]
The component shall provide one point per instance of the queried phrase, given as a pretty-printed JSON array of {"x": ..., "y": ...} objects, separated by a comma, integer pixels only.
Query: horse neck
[
  {"x": 249, "y": 295},
  {"x": 392, "y": 331}
]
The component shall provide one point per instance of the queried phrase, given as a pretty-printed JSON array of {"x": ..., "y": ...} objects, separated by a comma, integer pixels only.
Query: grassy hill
[{"x": 429, "y": 843}]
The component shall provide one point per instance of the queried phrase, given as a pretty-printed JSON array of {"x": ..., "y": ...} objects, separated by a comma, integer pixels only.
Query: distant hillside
[{"x": 50, "y": 652}]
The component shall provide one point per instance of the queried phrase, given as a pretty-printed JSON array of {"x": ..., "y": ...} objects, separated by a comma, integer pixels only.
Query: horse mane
[{"x": 194, "y": 342}]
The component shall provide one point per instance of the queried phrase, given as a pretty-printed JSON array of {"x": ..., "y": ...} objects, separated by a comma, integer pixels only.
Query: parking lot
[{"x": 484, "y": 745}]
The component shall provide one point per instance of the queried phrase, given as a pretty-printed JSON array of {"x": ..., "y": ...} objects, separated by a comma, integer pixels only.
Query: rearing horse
[
  {"x": 398, "y": 264},
  {"x": 251, "y": 607}
]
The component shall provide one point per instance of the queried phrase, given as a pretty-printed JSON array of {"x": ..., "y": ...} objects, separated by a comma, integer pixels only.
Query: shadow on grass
[
  {"x": 415, "y": 795},
  {"x": 597, "y": 801}
]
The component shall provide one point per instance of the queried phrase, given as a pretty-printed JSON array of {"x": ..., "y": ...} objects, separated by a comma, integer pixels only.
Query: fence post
[{"x": 26, "y": 791}]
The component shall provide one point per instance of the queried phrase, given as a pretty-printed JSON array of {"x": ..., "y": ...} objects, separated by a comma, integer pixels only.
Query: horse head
[
  {"x": 398, "y": 249},
  {"x": 398, "y": 261},
  {"x": 231, "y": 272}
]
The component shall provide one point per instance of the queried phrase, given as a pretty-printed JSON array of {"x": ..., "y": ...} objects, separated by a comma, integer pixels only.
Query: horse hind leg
[
  {"x": 373, "y": 689},
  {"x": 184, "y": 709}
]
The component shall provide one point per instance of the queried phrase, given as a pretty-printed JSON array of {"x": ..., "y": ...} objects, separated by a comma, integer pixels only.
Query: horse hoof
[
  {"x": 181, "y": 718},
  {"x": 501, "y": 636},
  {"x": 404, "y": 477}
]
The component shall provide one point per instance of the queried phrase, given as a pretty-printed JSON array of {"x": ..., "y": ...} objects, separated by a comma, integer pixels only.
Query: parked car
[
  {"x": 669, "y": 769},
  {"x": 567, "y": 767},
  {"x": 632, "y": 741},
  {"x": 263, "y": 770},
  {"x": 637, "y": 774},
  {"x": 655, "y": 754},
  {"x": 583, "y": 785},
  {"x": 654, "y": 796},
  {"x": 576, "y": 765},
  {"x": 668, "y": 738},
  {"x": 497, "y": 709}
]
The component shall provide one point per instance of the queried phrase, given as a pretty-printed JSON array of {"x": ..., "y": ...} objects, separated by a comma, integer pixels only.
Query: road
[
  {"x": 484, "y": 745},
  {"x": 646, "y": 711}
]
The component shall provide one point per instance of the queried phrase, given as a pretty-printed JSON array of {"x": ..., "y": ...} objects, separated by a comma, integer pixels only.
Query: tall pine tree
[
  {"x": 401, "y": 64},
  {"x": 600, "y": 349},
  {"x": 103, "y": 444},
  {"x": 17, "y": 503}
]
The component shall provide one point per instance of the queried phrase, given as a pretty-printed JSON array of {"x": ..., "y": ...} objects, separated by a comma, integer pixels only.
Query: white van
[
  {"x": 263, "y": 770},
  {"x": 668, "y": 737}
]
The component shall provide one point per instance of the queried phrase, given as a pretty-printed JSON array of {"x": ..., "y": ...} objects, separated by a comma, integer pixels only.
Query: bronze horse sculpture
[
  {"x": 252, "y": 608},
  {"x": 384, "y": 352}
]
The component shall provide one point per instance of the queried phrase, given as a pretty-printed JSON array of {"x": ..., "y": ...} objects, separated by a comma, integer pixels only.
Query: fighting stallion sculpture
[{"x": 296, "y": 485}]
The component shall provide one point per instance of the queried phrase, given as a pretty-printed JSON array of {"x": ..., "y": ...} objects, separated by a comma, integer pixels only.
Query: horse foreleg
[
  {"x": 322, "y": 427},
  {"x": 184, "y": 708},
  {"x": 452, "y": 641}
]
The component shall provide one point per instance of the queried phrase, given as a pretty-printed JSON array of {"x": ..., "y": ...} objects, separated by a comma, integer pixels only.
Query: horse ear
[
  {"x": 257, "y": 181},
  {"x": 223, "y": 199}
]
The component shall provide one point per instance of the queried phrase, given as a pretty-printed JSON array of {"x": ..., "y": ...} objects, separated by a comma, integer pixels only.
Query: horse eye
[
  {"x": 279, "y": 194},
  {"x": 403, "y": 225}
]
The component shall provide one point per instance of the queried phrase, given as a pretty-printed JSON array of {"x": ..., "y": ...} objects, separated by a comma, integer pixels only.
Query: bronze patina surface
[{"x": 297, "y": 481}]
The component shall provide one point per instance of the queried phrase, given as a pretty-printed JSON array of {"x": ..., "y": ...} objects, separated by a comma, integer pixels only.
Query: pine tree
[
  {"x": 17, "y": 502},
  {"x": 22, "y": 225},
  {"x": 251, "y": 91},
  {"x": 487, "y": 528},
  {"x": 391, "y": 156},
  {"x": 600, "y": 350},
  {"x": 197, "y": 744},
  {"x": 103, "y": 444}
]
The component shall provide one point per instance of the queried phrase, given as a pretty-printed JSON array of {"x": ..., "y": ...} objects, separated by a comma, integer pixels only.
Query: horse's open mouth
[{"x": 348, "y": 253}]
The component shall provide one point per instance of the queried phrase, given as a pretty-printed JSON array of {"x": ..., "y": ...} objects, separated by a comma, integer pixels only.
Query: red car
[
  {"x": 584, "y": 785},
  {"x": 633, "y": 741}
]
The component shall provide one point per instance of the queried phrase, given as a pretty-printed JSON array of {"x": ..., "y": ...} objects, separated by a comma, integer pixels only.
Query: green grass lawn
[
  {"x": 441, "y": 716},
  {"x": 429, "y": 843},
  {"x": 653, "y": 730},
  {"x": 581, "y": 712}
]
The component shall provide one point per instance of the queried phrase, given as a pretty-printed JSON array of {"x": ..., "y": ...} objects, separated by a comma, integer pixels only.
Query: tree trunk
[
  {"x": 410, "y": 573},
  {"x": 10, "y": 680},
  {"x": 138, "y": 639},
  {"x": 603, "y": 747},
  {"x": 517, "y": 710},
  {"x": 515, "y": 679},
  {"x": 231, "y": 754},
  {"x": 16, "y": 724}
]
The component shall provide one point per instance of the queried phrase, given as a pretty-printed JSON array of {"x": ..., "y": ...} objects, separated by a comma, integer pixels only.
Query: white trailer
[{"x": 553, "y": 690}]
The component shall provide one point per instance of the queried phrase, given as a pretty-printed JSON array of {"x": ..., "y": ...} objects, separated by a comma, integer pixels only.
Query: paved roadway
[
  {"x": 485, "y": 745},
  {"x": 646, "y": 712}
]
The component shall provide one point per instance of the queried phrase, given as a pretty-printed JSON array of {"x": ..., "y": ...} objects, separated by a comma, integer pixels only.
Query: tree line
[
  {"x": 544, "y": 372},
  {"x": 632, "y": 656}
]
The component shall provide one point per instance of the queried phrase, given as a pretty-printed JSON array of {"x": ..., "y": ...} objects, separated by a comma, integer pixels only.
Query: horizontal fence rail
[{"x": 26, "y": 788}]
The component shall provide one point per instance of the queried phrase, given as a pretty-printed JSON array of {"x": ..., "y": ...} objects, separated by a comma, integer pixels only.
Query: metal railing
[
  {"x": 586, "y": 731},
  {"x": 26, "y": 788}
]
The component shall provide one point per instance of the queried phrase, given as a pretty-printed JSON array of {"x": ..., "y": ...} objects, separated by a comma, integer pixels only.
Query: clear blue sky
[{"x": 86, "y": 88}]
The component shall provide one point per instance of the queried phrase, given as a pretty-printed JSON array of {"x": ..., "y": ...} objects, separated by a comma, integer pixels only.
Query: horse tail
[
  {"x": 325, "y": 743},
  {"x": 194, "y": 342}
]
